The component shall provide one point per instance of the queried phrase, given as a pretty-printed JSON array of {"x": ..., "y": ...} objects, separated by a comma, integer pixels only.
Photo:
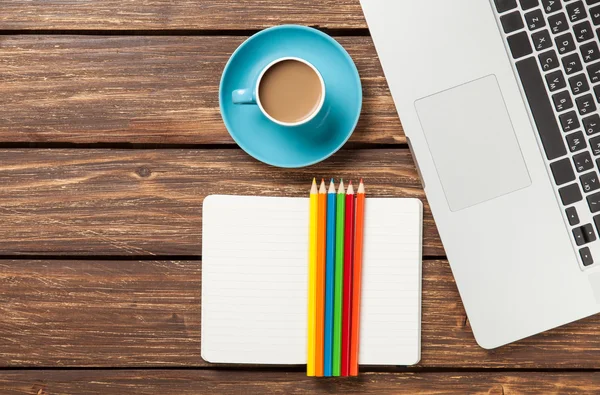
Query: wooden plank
[
  {"x": 147, "y": 314},
  {"x": 149, "y": 202},
  {"x": 193, "y": 382},
  {"x": 170, "y": 15},
  {"x": 100, "y": 313},
  {"x": 135, "y": 89}
]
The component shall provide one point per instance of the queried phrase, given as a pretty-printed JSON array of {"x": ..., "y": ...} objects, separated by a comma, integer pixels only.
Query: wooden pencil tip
[
  {"x": 332, "y": 186},
  {"x": 315, "y": 180},
  {"x": 341, "y": 189},
  {"x": 322, "y": 188},
  {"x": 350, "y": 190}
]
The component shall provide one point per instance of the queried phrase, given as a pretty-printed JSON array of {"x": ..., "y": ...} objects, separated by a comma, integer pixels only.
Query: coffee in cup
[{"x": 289, "y": 91}]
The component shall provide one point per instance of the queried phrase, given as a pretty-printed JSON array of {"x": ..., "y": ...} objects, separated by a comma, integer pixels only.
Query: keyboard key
[
  {"x": 548, "y": 60},
  {"x": 583, "y": 31},
  {"x": 535, "y": 20},
  {"x": 572, "y": 63},
  {"x": 585, "y": 104},
  {"x": 589, "y": 182},
  {"x": 570, "y": 194},
  {"x": 591, "y": 2},
  {"x": 588, "y": 233},
  {"x": 583, "y": 162},
  {"x": 562, "y": 171},
  {"x": 572, "y": 216},
  {"x": 576, "y": 142},
  {"x": 555, "y": 80},
  {"x": 541, "y": 108},
  {"x": 551, "y": 6},
  {"x": 591, "y": 124},
  {"x": 595, "y": 145},
  {"x": 579, "y": 84},
  {"x": 590, "y": 52},
  {"x": 594, "y": 202},
  {"x": 597, "y": 92},
  {"x": 541, "y": 40},
  {"x": 562, "y": 101},
  {"x": 519, "y": 45},
  {"x": 569, "y": 121},
  {"x": 595, "y": 14},
  {"x": 505, "y": 5},
  {"x": 558, "y": 23},
  {"x": 594, "y": 72},
  {"x": 576, "y": 11},
  {"x": 579, "y": 237},
  {"x": 586, "y": 256},
  {"x": 512, "y": 22},
  {"x": 528, "y": 4},
  {"x": 565, "y": 43}
]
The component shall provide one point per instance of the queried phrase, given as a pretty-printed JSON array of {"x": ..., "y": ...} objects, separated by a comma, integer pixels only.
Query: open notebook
[{"x": 255, "y": 281}]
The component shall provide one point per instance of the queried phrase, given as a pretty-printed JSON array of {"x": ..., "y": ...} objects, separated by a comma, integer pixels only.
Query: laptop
[{"x": 499, "y": 100}]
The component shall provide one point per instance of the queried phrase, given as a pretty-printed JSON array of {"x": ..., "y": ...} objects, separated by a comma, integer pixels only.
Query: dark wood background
[{"x": 110, "y": 137}]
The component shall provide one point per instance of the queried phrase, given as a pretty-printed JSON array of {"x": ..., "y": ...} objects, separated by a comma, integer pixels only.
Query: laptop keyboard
[{"x": 555, "y": 49}]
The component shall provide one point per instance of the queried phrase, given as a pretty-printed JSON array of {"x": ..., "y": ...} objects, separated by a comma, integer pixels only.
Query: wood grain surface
[
  {"x": 149, "y": 202},
  {"x": 71, "y": 313},
  {"x": 177, "y": 15},
  {"x": 159, "y": 90},
  {"x": 206, "y": 382}
]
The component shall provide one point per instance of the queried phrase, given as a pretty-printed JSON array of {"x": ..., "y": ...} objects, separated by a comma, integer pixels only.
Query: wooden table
[{"x": 110, "y": 137}]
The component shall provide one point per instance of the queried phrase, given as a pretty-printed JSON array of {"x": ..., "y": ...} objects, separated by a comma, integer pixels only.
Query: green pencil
[{"x": 339, "y": 280}]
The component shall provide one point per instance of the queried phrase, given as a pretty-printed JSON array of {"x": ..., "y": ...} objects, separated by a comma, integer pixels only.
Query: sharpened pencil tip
[
  {"x": 350, "y": 183},
  {"x": 341, "y": 189},
  {"x": 332, "y": 186}
]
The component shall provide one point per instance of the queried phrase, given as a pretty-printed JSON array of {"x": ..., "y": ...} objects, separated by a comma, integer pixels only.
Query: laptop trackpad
[{"x": 473, "y": 143}]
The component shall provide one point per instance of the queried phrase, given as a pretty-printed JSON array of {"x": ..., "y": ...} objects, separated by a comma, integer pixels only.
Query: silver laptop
[{"x": 500, "y": 102}]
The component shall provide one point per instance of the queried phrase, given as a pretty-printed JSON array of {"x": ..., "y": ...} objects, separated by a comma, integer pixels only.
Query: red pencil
[
  {"x": 359, "y": 223},
  {"x": 347, "y": 300}
]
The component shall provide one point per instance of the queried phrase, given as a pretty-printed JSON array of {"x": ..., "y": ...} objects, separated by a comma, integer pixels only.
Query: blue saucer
[{"x": 300, "y": 145}]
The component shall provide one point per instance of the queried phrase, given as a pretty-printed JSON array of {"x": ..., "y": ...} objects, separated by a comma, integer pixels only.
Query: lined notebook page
[{"x": 255, "y": 281}]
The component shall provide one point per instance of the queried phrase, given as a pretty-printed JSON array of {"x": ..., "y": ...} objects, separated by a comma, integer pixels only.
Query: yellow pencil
[{"x": 312, "y": 279}]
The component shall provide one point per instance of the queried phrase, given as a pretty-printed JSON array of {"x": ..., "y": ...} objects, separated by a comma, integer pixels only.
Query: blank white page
[{"x": 255, "y": 281}]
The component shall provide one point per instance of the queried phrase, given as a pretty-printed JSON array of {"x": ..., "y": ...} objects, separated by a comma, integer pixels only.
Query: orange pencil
[
  {"x": 320, "y": 305},
  {"x": 356, "y": 278}
]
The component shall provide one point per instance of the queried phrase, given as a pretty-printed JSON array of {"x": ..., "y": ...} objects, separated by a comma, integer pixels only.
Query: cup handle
[{"x": 243, "y": 96}]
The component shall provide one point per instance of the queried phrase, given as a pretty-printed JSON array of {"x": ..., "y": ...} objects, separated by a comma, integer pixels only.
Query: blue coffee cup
[{"x": 251, "y": 95}]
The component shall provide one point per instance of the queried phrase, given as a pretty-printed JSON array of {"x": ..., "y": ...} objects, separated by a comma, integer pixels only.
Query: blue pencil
[{"x": 329, "y": 283}]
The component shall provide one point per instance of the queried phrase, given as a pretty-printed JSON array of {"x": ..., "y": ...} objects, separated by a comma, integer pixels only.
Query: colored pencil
[
  {"x": 357, "y": 277},
  {"x": 339, "y": 279},
  {"x": 329, "y": 280},
  {"x": 320, "y": 304},
  {"x": 312, "y": 283},
  {"x": 347, "y": 303}
]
